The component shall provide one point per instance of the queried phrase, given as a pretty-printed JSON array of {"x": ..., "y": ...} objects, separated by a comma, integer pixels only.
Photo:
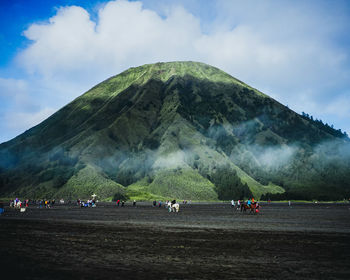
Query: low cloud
[
  {"x": 169, "y": 161},
  {"x": 274, "y": 157}
]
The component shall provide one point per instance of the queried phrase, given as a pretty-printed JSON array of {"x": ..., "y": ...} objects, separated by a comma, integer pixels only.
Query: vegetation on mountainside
[
  {"x": 182, "y": 184},
  {"x": 228, "y": 185},
  {"x": 182, "y": 130},
  {"x": 326, "y": 127}
]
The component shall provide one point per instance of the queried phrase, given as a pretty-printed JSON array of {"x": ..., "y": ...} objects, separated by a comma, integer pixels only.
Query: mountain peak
[
  {"x": 174, "y": 129},
  {"x": 199, "y": 70},
  {"x": 163, "y": 71}
]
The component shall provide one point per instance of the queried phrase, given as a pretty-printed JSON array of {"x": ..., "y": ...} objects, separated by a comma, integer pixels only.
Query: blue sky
[{"x": 298, "y": 52}]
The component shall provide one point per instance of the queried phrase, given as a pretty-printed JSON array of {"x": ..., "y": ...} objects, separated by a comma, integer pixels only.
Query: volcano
[{"x": 182, "y": 130}]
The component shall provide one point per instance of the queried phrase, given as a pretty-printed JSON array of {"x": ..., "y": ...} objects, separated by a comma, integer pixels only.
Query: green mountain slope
[{"x": 173, "y": 130}]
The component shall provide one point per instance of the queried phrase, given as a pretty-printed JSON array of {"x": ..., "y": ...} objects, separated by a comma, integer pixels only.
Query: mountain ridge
[{"x": 200, "y": 118}]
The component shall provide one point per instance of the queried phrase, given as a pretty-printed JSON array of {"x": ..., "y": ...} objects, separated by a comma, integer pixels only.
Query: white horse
[
  {"x": 17, "y": 204},
  {"x": 173, "y": 207}
]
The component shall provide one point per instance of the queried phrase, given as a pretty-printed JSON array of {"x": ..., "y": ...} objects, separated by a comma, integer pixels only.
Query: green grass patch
[
  {"x": 88, "y": 181},
  {"x": 177, "y": 183},
  {"x": 182, "y": 184}
]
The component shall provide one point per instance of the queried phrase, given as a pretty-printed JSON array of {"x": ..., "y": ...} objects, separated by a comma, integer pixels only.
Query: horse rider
[{"x": 249, "y": 203}]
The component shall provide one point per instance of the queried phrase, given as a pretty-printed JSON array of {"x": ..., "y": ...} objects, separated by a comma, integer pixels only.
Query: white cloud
[
  {"x": 286, "y": 49},
  {"x": 24, "y": 120},
  {"x": 172, "y": 160},
  {"x": 13, "y": 91},
  {"x": 340, "y": 106},
  {"x": 126, "y": 35},
  {"x": 11, "y": 87},
  {"x": 275, "y": 157},
  {"x": 58, "y": 45}
]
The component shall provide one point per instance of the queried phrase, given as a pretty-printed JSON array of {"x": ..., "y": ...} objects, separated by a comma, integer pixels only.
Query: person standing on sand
[
  {"x": 257, "y": 207},
  {"x": 1, "y": 208}
]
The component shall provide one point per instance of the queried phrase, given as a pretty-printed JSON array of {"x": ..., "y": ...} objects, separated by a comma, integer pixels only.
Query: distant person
[
  {"x": 289, "y": 203},
  {"x": 134, "y": 203},
  {"x": 232, "y": 203},
  {"x": 123, "y": 203},
  {"x": 160, "y": 203},
  {"x": 118, "y": 202},
  {"x": 1, "y": 208},
  {"x": 257, "y": 207},
  {"x": 154, "y": 203},
  {"x": 238, "y": 204}
]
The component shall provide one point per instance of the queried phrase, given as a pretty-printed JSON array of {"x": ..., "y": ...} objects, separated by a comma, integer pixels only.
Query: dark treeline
[
  {"x": 325, "y": 126},
  {"x": 228, "y": 185}
]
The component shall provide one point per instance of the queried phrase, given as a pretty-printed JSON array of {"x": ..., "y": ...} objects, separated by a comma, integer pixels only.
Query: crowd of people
[
  {"x": 88, "y": 203},
  {"x": 17, "y": 203},
  {"x": 242, "y": 205}
]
